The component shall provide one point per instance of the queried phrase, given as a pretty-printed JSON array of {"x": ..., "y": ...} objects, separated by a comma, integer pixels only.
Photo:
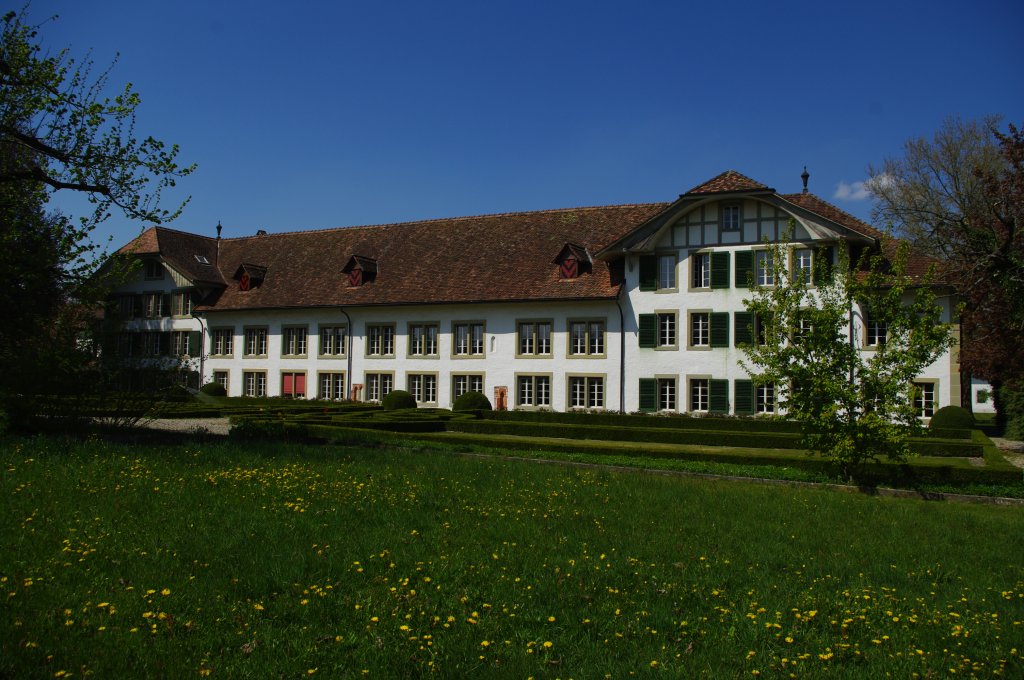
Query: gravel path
[{"x": 211, "y": 425}]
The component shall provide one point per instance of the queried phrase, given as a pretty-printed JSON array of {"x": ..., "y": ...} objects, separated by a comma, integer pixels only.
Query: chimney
[
  {"x": 261, "y": 232},
  {"x": 804, "y": 177}
]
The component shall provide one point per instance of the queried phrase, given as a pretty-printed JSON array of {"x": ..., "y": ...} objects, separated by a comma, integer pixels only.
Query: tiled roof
[
  {"x": 470, "y": 259},
  {"x": 730, "y": 180},
  {"x": 179, "y": 249},
  {"x": 827, "y": 210}
]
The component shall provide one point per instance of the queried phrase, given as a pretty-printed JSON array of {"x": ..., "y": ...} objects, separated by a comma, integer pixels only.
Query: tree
[
  {"x": 853, "y": 405},
  {"x": 60, "y": 132},
  {"x": 960, "y": 196}
]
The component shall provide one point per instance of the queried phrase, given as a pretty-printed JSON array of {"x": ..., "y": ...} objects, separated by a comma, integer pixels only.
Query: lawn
[{"x": 231, "y": 560}]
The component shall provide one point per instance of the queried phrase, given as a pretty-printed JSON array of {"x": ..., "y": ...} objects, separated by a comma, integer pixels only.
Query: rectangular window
[
  {"x": 764, "y": 398},
  {"x": 333, "y": 341},
  {"x": 586, "y": 392},
  {"x": 155, "y": 344},
  {"x": 700, "y": 267},
  {"x": 534, "y": 390},
  {"x": 802, "y": 329},
  {"x": 221, "y": 378},
  {"x": 699, "y": 394},
  {"x": 379, "y": 385},
  {"x": 666, "y": 394},
  {"x": 700, "y": 329},
  {"x": 154, "y": 269},
  {"x": 423, "y": 388},
  {"x": 469, "y": 339},
  {"x": 666, "y": 330},
  {"x": 803, "y": 264},
  {"x": 666, "y": 272},
  {"x": 535, "y": 338},
  {"x": 222, "y": 342},
  {"x": 730, "y": 217},
  {"x": 293, "y": 341},
  {"x": 466, "y": 383},
  {"x": 181, "y": 303},
  {"x": 255, "y": 342},
  {"x": 423, "y": 340},
  {"x": 764, "y": 274},
  {"x": 180, "y": 344},
  {"x": 924, "y": 399},
  {"x": 254, "y": 384},
  {"x": 332, "y": 386},
  {"x": 153, "y": 305},
  {"x": 293, "y": 385},
  {"x": 586, "y": 338},
  {"x": 875, "y": 332},
  {"x": 380, "y": 340}
]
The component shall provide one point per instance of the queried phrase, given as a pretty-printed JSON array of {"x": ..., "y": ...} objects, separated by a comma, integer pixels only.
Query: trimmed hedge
[
  {"x": 472, "y": 401},
  {"x": 675, "y": 422},
  {"x": 397, "y": 399},
  {"x": 952, "y": 417}
]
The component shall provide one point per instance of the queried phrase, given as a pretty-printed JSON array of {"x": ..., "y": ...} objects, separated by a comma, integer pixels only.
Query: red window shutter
[
  {"x": 570, "y": 268},
  {"x": 355, "y": 277},
  {"x": 243, "y": 283},
  {"x": 300, "y": 384},
  {"x": 287, "y": 389}
]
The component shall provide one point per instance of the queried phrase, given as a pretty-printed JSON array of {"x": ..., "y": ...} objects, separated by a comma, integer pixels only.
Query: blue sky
[{"x": 326, "y": 114}]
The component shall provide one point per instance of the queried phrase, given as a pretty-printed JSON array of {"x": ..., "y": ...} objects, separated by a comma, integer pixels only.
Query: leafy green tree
[
  {"x": 59, "y": 131},
  {"x": 853, "y": 405}
]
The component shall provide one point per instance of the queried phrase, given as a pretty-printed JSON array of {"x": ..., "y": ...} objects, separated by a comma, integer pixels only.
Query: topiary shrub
[
  {"x": 952, "y": 418},
  {"x": 471, "y": 401},
  {"x": 397, "y": 399},
  {"x": 214, "y": 390}
]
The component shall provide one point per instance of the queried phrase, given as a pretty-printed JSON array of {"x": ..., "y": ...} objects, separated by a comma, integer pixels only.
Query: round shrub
[
  {"x": 397, "y": 399},
  {"x": 952, "y": 418},
  {"x": 471, "y": 401},
  {"x": 214, "y": 390}
]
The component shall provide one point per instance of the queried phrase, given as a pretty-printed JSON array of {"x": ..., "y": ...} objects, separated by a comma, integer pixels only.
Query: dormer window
[
  {"x": 360, "y": 270},
  {"x": 572, "y": 261},
  {"x": 250, "y": 276}
]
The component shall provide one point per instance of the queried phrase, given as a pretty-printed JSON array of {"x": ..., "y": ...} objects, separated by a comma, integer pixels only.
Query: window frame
[
  {"x": 427, "y": 383},
  {"x": 470, "y": 352},
  {"x": 217, "y": 335},
  {"x": 925, "y": 397},
  {"x": 374, "y": 382},
  {"x": 223, "y": 378},
  {"x": 764, "y": 269},
  {"x": 668, "y": 322},
  {"x": 290, "y": 335},
  {"x": 424, "y": 327},
  {"x": 766, "y": 399},
  {"x": 262, "y": 340},
  {"x": 693, "y": 315},
  {"x": 535, "y": 380},
  {"x": 534, "y": 347},
  {"x": 332, "y": 330},
  {"x": 667, "y": 394},
  {"x": 178, "y": 297},
  {"x": 726, "y": 215},
  {"x": 699, "y": 386},
  {"x": 588, "y": 338},
  {"x": 468, "y": 377},
  {"x": 662, "y": 285},
  {"x": 594, "y": 391},
  {"x": 294, "y": 375},
  {"x": 332, "y": 378},
  {"x": 257, "y": 376},
  {"x": 380, "y": 337}
]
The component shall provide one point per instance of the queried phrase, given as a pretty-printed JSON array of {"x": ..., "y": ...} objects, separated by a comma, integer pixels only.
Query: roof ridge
[
  {"x": 434, "y": 220},
  {"x": 834, "y": 207}
]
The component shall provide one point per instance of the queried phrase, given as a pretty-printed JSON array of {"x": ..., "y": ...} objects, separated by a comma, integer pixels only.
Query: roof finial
[
  {"x": 804, "y": 177},
  {"x": 218, "y": 228}
]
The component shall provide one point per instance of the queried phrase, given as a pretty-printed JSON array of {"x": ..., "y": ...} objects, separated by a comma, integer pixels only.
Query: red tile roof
[
  {"x": 179, "y": 249},
  {"x": 730, "y": 180},
  {"x": 827, "y": 210}
]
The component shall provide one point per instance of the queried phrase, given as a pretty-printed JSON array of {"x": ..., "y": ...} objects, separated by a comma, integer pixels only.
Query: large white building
[{"x": 628, "y": 307}]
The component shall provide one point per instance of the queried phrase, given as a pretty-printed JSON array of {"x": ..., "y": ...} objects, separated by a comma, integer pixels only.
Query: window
[
  {"x": 586, "y": 392},
  {"x": 293, "y": 385},
  {"x": 293, "y": 341},
  {"x": 533, "y": 390},
  {"x": 666, "y": 394},
  {"x": 803, "y": 328},
  {"x": 730, "y": 217},
  {"x": 764, "y": 398},
  {"x": 466, "y": 383},
  {"x": 254, "y": 384},
  {"x": 469, "y": 339},
  {"x": 153, "y": 269},
  {"x": 222, "y": 342},
  {"x": 875, "y": 332},
  {"x": 803, "y": 264},
  {"x": 586, "y": 338},
  {"x": 748, "y": 326},
  {"x": 255, "y": 342},
  {"x": 666, "y": 330},
  {"x": 666, "y": 272},
  {"x": 380, "y": 340},
  {"x": 332, "y": 386},
  {"x": 423, "y": 388},
  {"x": 764, "y": 274},
  {"x": 657, "y": 330},
  {"x": 700, "y": 329},
  {"x": 155, "y": 344},
  {"x": 153, "y": 305},
  {"x": 700, "y": 268},
  {"x": 181, "y": 303},
  {"x": 184, "y": 343},
  {"x": 333, "y": 341},
  {"x": 535, "y": 338},
  {"x": 423, "y": 340},
  {"x": 379, "y": 385},
  {"x": 221, "y": 378},
  {"x": 924, "y": 399},
  {"x": 699, "y": 394}
]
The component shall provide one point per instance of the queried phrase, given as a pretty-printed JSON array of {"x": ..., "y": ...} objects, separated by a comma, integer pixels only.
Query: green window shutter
[
  {"x": 138, "y": 304},
  {"x": 165, "y": 343},
  {"x": 718, "y": 396},
  {"x": 165, "y": 304},
  {"x": 744, "y": 268},
  {"x": 822, "y": 272},
  {"x": 648, "y": 327},
  {"x": 743, "y": 322},
  {"x": 195, "y": 344},
  {"x": 648, "y": 394},
  {"x": 648, "y": 272},
  {"x": 720, "y": 329},
  {"x": 719, "y": 270},
  {"x": 744, "y": 397}
]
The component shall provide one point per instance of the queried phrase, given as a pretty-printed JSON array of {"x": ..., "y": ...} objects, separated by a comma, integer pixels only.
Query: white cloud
[{"x": 857, "y": 191}]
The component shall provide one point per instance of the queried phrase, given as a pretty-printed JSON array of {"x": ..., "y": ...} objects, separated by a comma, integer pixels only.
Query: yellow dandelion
[
  {"x": 548, "y": 644},
  {"x": 165, "y": 592}
]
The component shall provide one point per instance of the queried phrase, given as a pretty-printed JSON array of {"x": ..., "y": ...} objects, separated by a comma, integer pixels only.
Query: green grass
[{"x": 285, "y": 561}]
